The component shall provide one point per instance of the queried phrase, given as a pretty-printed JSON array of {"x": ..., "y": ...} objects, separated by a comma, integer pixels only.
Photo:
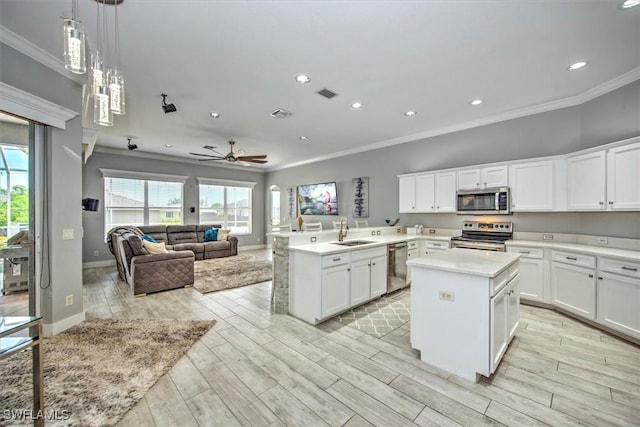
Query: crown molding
[
  {"x": 34, "y": 108},
  {"x": 611, "y": 85},
  {"x": 36, "y": 53}
]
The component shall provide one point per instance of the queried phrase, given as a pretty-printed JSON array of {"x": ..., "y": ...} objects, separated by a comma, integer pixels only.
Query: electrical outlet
[
  {"x": 432, "y": 231},
  {"x": 373, "y": 232},
  {"x": 547, "y": 237},
  {"x": 67, "y": 234},
  {"x": 313, "y": 239},
  {"x": 447, "y": 296},
  {"x": 96, "y": 253},
  {"x": 378, "y": 233},
  {"x": 69, "y": 300},
  {"x": 602, "y": 241}
]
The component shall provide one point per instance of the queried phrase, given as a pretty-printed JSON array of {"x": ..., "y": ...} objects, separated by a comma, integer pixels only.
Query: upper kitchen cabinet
[
  {"x": 586, "y": 182},
  {"x": 623, "y": 177},
  {"x": 531, "y": 186},
  {"x": 487, "y": 177},
  {"x": 427, "y": 193}
]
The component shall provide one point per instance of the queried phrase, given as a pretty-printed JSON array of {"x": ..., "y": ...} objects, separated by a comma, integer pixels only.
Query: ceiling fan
[{"x": 231, "y": 157}]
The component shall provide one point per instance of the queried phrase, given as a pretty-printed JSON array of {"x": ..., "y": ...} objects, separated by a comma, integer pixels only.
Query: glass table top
[
  {"x": 9, "y": 324},
  {"x": 15, "y": 332}
]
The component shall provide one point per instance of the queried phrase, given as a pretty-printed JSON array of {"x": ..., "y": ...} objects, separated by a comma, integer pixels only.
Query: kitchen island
[{"x": 464, "y": 309}]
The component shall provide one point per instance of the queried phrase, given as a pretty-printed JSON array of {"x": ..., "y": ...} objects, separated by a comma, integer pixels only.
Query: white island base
[{"x": 464, "y": 309}]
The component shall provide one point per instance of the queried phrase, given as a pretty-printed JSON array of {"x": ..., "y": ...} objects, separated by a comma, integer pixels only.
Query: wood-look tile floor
[{"x": 257, "y": 368}]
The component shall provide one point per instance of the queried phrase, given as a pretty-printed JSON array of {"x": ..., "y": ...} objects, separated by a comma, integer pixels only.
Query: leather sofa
[{"x": 146, "y": 272}]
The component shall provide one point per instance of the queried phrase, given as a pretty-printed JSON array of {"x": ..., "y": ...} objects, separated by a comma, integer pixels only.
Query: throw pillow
[
  {"x": 223, "y": 234},
  {"x": 154, "y": 248},
  {"x": 149, "y": 238},
  {"x": 211, "y": 235}
]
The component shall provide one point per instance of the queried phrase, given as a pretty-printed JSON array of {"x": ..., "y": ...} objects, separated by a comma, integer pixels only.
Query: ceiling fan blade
[
  {"x": 208, "y": 155},
  {"x": 209, "y": 160},
  {"x": 257, "y": 156},
  {"x": 256, "y": 161}
]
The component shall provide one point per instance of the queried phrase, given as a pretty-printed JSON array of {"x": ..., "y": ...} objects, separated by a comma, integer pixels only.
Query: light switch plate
[
  {"x": 602, "y": 241},
  {"x": 67, "y": 234},
  {"x": 547, "y": 237},
  {"x": 447, "y": 296}
]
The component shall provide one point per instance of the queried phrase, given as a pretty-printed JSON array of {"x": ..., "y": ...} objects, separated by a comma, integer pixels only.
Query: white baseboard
[
  {"x": 55, "y": 328},
  {"x": 251, "y": 248},
  {"x": 95, "y": 264}
]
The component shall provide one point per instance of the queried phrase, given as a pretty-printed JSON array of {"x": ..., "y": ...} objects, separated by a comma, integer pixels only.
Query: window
[
  {"x": 275, "y": 205},
  {"x": 227, "y": 203},
  {"x": 132, "y": 198}
]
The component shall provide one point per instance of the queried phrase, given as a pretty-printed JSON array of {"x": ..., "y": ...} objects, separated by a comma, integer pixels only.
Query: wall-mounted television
[{"x": 318, "y": 199}]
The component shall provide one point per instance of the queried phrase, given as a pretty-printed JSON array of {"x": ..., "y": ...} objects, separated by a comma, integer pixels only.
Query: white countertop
[
  {"x": 574, "y": 247},
  {"x": 327, "y": 248},
  {"x": 467, "y": 261}
]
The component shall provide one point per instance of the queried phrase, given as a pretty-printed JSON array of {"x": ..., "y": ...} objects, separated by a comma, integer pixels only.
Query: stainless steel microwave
[{"x": 487, "y": 201}]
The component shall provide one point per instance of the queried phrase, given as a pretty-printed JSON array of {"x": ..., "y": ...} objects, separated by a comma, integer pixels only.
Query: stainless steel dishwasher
[{"x": 396, "y": 266}]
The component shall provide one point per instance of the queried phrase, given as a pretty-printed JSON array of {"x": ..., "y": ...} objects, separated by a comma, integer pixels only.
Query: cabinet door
[
  {"x": 411, "y": 254},
  {"x": 532, "y": 279},
  {"x": 586, "y": 182},
  {"x": 378, "y": 276},
  {"x": 494, "y": 176},
  {"x": 623, "y": 177},
  {"x": 499, "y": 331},
  {"x": 619, "y": 303},
  {"x": 531, "y": 186},
  {"x": 360, "y": 281},
  {"x": 469, "y": 179},
  {"x": 574, "y": 289},
  {"x": 407, "y": 194},
  {"x": 335, "y": 290},
  {"x": 513, "y": 306},
  {"x": 425, "y": 193},
  {"x": 446, "y": 192}
]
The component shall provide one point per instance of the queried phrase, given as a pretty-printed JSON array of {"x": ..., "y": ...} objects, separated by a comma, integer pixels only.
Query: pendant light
[
  {"x": 74, "y": 42},
  {"x": 116, "y": 80},
  {"x": 102, "y": 113},
  {"x": 97, "y": 63}
]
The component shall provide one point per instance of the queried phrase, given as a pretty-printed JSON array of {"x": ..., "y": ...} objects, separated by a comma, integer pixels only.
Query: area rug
[
  {"x": 231, "y": 272},
  {"x": 96, "y": 371},
  {"x": 381, "y": 316}
]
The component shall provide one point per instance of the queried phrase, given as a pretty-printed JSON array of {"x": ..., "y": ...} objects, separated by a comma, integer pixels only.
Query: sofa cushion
[
  {"x": 154, "y": 248},
  {"x": 177, "y": 234},
  {"x": 194, "y": 247},
  {"x": 158, "y": 232},
  {"x": 217, "y": 246},
  {"x": 135, "y": 244},
  {"x": 211, "y": 235}
]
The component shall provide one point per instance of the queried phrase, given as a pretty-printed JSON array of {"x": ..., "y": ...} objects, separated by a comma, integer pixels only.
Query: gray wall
[
  {"x": 64, "y": 181},
  {"x": 612, "y": 117},
  {"x": 132, "y": 161}
]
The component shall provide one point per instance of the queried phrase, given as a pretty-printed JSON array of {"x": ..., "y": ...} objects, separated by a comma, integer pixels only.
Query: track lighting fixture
[
  {"x": 131, "y": 146},
  {"x": 167, "y": 108}
]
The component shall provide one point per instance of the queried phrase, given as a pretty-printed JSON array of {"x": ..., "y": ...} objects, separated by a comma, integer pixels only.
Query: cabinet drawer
[
  {"x": 526, "y": 252},
  {"x": 574, "y": 259},
  {"x": 335, "y": 259},
  {"x": 499, "y": 281},
  {"x": 627, "y": 268},
  {"x": 514, "y": 270},
  {"x": 431, "y": 244},
  {"x": 412, "y": 245},
  {"x": 368, "y": 253}
]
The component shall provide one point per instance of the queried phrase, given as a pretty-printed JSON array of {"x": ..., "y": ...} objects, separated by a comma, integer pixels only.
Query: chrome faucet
[{"x": 343, "y": 231}]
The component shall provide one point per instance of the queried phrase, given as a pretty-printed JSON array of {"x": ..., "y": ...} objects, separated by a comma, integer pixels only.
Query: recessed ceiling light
[
  {"x": 629, "y": 3},
  {"x": 477, "y": 101},
  {"x": 168, "y": 145},
  {"x": 577, "y": 65},
  {"x": 410, "y": 113},
  {"x": 214, "y": 114},
  {"x": 356, "y": 105},
  {"x": 303, "y": 78},
  {"x": 304, "y": 138}
]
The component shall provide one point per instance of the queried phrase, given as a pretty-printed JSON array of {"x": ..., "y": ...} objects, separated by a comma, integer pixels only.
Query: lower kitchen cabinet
[
  {"x": 619, "y": 303},
  {"x": 574, "y": 286},
  {"x": 505, "y": 313},
  {"x": 531, "y": 273},
  {"x": 336, "y": 291}
]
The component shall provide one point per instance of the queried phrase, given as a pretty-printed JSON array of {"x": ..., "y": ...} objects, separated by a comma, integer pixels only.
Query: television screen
[{"x": 318, "y": 199}]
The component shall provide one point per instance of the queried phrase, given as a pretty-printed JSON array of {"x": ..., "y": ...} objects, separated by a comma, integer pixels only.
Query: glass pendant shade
[
  {"x": 98, "y": 75},
  {"x": 102, "y": 114},
  {"x": 74, "y": 46},
  {"x": 116, "y": 91}
]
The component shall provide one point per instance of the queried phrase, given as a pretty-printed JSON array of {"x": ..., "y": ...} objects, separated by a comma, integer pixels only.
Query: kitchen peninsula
[{"x": 464, "y": 309}]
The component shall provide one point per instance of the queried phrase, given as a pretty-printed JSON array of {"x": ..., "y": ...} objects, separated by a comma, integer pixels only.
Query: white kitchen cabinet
[
  {"x": 619, "y": 295},
  {"x": 586, "y": 181},
  {"x": 412, "y": 253},
  {"x": 445, "y": 189},
  {"x": 407, "y": 194},
  {"x": 378, "y": 276},
  {"x": 505, "y": 315},
  {"x": 623, "y": 177},
  {"x": 368, "y": 275},
  {"x": 574, "y": 283},
  {"x": 487, "y": 177},
  {"x": 531, "y": 186},
  {"x": 336, "y": 291},
  {"x": 531, "y": 272},
  {"x": 425, "y": 193}
]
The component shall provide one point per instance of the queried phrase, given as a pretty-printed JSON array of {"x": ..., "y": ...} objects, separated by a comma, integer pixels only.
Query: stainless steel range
[{"x": 486, "y": 236}]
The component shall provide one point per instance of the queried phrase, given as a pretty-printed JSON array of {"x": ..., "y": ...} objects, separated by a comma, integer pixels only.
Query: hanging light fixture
[
  {"x": 74, "y": 42},
  {"x": 116, "y": 80},
  {"x": 97, "y": 63},
  {"x": 102, "y": 113}
]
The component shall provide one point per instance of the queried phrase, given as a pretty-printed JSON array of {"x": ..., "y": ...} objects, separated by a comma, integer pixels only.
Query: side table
[{"x": 12, "y": 341}]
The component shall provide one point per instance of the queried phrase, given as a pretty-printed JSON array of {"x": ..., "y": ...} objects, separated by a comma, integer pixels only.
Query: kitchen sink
[{"x": 353, "y": 242}]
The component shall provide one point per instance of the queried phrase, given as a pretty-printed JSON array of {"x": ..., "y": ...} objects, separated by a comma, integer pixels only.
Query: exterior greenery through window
[
  {"x": 139, "y": 201},
  {"x": 227, "y": 205}
]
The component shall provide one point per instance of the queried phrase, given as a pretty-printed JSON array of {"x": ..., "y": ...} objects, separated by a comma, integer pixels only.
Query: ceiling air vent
[
  {"x": 327, "y": 93},
  {"x": 281, "y": 114}
]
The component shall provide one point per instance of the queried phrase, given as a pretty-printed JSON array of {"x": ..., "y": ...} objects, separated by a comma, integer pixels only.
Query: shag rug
[
  {"x": 98, "y": 370},
  {"x": 230, "y": 272}
]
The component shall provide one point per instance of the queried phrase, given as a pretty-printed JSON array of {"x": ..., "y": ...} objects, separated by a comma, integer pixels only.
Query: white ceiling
[{"x": 240, "y": 58}]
